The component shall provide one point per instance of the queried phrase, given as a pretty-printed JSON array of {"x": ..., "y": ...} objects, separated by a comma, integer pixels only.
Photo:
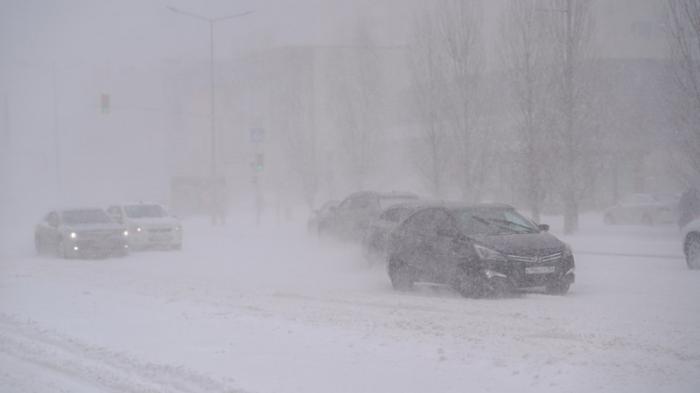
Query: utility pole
[
  {"x": 215, "y": 189},
  {"x": 212, "y": 93},
  {"x": 570, "y": 205},
  {"x": 56, "y": 137}
]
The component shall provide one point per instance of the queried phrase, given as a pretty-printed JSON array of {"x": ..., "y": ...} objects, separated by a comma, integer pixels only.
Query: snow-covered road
[{"x": 272, "y": 310}]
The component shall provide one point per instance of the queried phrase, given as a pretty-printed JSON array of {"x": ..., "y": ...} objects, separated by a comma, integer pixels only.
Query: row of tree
[
  {"x": 544, "y": 50},
  {"x": 545, "y": 91}
]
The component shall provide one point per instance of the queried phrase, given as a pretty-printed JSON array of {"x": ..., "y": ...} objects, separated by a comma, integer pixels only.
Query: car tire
[
  {"x": 559, "y": 287},
  {"x": 499, "y": 288},
  {"x": 401, "y": 276},
  {"x": 692, "y": 251},
  {"x": 470, "y": 285}
]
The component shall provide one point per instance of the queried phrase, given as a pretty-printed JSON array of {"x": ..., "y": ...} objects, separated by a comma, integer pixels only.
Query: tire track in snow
[{"x": 97, "y": 366}]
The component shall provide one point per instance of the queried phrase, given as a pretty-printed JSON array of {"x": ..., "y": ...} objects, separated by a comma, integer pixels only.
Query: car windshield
[
  {"x": 145, "y": 211},
  {"x": 493, "y": 222},
  {"x": 90, "y": 216}
]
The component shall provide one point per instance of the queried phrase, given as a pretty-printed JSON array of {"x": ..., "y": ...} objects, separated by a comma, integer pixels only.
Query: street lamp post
[{"x": 211, "y": 21}]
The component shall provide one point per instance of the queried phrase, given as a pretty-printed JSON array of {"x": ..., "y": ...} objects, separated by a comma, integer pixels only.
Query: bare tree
[
  {"x": 571, "y": 29},
  {"x": 294, "y": 113},
  {"x": 526, "y": 56},
  {"x": 684, "y": 41},
  {"x": 458, "y": 24},
  {"x": 357, "y": 103},
  {"x": 431, "y": 153}
]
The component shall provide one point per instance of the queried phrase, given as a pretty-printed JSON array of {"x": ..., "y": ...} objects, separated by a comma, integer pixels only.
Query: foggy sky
[{"x": 57, "y": 57}]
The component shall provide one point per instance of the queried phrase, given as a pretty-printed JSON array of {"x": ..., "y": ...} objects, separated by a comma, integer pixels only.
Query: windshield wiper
[
  {"x": 527, "y": 228},
  {"x": 492, "y": 223}
]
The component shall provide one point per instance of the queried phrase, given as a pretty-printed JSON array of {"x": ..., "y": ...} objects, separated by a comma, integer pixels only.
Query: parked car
[
  {"x": 646, "y": 209},
  {"x": 375, "y": 240},
  {"x": 350, "y": 219},
  {"x": 150, "y": 225},
  {"x": 691, "y": 244},
  {"x": 319, "y": 215},
  {"x": 83, "y": 232},
  {"x": 478, "y": 250}
]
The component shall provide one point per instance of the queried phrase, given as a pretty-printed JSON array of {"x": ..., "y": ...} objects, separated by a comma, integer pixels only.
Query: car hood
[
  {"x": 112, "y": 226},
  {"x": 526, "y": 244},
  {"x": 155, "y": 221}
]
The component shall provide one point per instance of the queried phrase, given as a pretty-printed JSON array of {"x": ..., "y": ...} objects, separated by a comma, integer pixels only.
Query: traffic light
[
  {"x": 104, "y": 103},
  {"x": 260, "y": 162}
]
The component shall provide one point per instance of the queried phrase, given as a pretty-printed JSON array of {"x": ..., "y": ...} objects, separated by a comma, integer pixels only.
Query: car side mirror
[{"x": 543, "y": 227}]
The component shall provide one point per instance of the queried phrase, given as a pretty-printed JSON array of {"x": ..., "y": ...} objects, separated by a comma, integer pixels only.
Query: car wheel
[
  {"x": 401, "y": 276},
  {"x": 558, "y": 288},
  {"x": 470, "y": 285},
  {"x": 499, "y": 287},
  {"x": 692, "y": 251}
]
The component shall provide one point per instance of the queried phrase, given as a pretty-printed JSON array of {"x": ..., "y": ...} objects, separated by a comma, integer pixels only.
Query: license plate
[
  {"x": 539, "y": 270},
  {"x": 160, "y": 238}
]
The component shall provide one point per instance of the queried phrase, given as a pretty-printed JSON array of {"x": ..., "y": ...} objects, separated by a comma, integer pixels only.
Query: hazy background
[{"x": 289, "y": 57}]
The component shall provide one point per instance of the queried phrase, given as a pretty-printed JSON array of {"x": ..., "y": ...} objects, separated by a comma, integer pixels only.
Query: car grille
[{"x": 537, "y": 259}]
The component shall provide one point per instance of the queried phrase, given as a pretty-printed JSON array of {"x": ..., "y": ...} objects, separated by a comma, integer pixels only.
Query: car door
[
  {"x": 351, "y": 216},
  {"x": 420, "y": 245}
]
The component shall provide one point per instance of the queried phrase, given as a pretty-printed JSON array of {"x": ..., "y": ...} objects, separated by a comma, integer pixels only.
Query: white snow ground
[{"x": 272, "y": 310}]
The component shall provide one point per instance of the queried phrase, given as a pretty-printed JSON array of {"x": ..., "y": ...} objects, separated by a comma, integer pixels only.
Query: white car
[
  {"x": 691, "y": 244},
  {"x": 646, "y": 209},
  {"x": 149, "y": 224}
]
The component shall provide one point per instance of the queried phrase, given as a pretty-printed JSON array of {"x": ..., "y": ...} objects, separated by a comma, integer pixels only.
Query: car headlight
[
  {"x": 126, "y": 233},
  {"x": 176, "y": 228},
  {"x": 73, "y": 235},
  {"x": 488, "y": 254},
  {"x": 138, "y": 229}
]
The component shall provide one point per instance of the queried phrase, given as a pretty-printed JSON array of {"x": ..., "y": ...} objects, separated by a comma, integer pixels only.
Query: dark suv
[
  {"x": 480, "y": 250},
  {"x": 351, "y": 219}
]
